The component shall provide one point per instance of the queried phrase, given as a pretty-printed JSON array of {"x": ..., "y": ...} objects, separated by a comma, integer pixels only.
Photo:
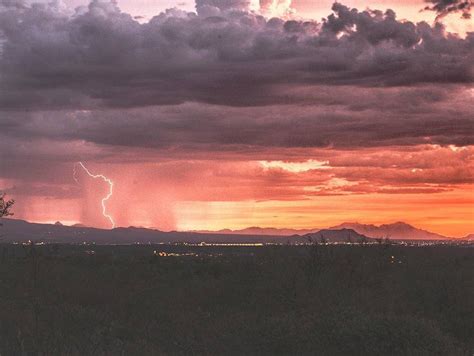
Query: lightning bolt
[{"x": 105, "y": 179}]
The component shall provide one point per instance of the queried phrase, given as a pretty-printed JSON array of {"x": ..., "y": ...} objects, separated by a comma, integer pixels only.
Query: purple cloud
[
  {"x": 101, "y": 57},
  {"x": 445, "y": 7}
]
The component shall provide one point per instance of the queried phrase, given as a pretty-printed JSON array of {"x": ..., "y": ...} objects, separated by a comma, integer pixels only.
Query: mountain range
[
  {"x": 14, "y": 230},
  {"x": 397, "y": 231}
]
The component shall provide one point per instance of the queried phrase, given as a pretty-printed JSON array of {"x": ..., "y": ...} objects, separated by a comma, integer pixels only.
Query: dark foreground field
[{"x": 320, "y": 300}]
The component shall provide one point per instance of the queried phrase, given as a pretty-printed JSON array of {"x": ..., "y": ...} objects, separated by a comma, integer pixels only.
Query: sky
[{"x": 234, "y": 113}]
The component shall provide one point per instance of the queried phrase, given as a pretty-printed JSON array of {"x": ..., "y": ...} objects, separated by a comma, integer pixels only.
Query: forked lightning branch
[{"x": 105, "y": 179}]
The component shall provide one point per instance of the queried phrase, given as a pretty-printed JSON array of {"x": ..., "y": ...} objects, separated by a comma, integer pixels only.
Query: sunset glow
[{"x": 205, "y": 116}]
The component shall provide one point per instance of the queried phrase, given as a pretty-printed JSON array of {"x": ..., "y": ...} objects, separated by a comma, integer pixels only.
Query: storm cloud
[
  {"x": 101, "y": 57},
  {"x": 445, "y": 7},
  {"x": 337, "y": 117}
]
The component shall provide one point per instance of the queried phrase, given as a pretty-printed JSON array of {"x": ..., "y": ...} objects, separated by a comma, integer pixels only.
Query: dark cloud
[
  {"x": 337, "y": 118},
  {"x": 445, "y": 7},
  {"x": 101, "y": 57}
]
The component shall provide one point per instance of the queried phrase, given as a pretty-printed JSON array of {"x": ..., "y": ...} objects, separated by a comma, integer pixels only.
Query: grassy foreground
[{"x": 318, "y": 300}]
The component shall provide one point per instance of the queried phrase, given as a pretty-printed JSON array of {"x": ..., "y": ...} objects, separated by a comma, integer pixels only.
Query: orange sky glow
[{"x": 429, "y": 187}]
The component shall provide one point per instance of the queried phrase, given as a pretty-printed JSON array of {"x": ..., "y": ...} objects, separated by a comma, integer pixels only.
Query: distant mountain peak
[{"x": 397, "y": 230}]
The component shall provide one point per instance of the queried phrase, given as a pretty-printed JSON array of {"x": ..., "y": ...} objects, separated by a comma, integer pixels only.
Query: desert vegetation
[
  {"x": 320, "y": 299},
  {"x": 5, "y": 206}
]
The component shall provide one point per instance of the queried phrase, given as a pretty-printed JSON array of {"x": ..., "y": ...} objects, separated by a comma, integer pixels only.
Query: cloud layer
[
  {"x": 445, "y": 7},
  {"x": 103, "y": 57}
]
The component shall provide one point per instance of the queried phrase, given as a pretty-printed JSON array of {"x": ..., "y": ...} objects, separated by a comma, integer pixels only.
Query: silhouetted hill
[
  {"x": 22, "y": 231},
  {"x": 342, "y": 235},
  {"x": 398, "y": 231},
  {"x": 395, "y": 231}
]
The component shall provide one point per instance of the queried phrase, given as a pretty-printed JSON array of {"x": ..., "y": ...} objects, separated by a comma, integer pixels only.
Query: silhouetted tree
[{"x": 5, "y": 206}]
